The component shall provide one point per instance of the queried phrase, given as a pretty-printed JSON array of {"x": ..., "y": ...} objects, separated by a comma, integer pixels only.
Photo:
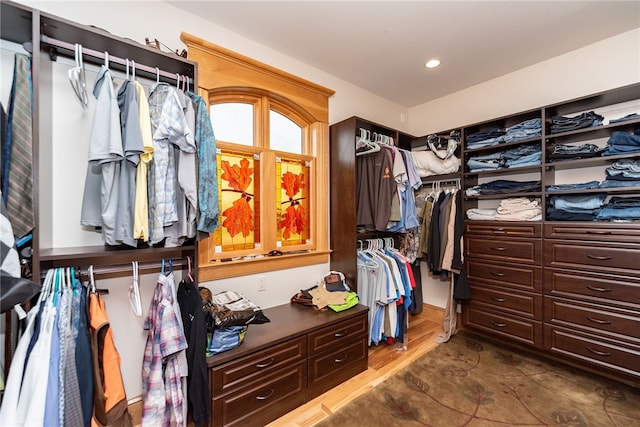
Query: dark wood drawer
[
  {"x": 608, "y": 354},
  {"x": 595, "y": 287},
  {"x": 521, "y": 330},
  {"x": 594, "y": 256},
  {"x": 596, "y": 319},
  {"x": 333, "y": 368},
  {"x": 235, "y": 374},
  {"x": 494, "y": 228},
  {"x": 524, "y": 277},
  {"x": 522, "y": 304},
  {"x": 259, "y": 403},
  {"x": 593, "y": 231},
  {"x": 338, "y": 335},
  {"x": 528, "y": 251}
]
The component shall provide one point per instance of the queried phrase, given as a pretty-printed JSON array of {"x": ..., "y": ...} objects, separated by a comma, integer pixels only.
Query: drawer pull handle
[
  {"x": 601, "y": 322},
  {"x": 600, "y": 258},
  {"x": 499, "y": 230},
  {"x": 594, "y": 288},
  {"x": 265, "y": 364},
  {"x": 499, "y": 249},
  {"x": 598, "y": 232},
  {"x": 599, "y": 353},
  {"x": 341, "y": 360},
  {"x": 266, "y": 396},
  {"x": 493, "y": 273},
  {"x": 340, "y": 334},
  {"x": 498, "y": 324},
  {"x": 497, "y": 299}
]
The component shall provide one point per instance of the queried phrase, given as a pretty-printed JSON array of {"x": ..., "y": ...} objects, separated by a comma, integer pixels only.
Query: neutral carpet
[{"x": 470, "y": 381}]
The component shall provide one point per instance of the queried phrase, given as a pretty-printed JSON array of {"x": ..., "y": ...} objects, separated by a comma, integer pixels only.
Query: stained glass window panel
[
  {"x": 238, "y": 181},
  {"x": 292, "y": 201}
]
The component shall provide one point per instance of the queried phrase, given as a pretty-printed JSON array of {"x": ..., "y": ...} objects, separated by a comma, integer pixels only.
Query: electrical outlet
[{"x": 262, "y": 283}]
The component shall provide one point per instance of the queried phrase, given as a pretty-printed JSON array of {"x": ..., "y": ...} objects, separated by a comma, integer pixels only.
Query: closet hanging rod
[
  {"x": 455, "y": 181},
  {"x": 121, "y": 270},
  {"x": 153, "y": 71}
]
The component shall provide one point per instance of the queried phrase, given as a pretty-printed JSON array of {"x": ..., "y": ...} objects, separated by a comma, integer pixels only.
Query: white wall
[{"x": 604, "y": 65}]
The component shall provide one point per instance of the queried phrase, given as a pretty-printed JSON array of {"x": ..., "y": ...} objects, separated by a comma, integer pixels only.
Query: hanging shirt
[
  {"x": 141, "y": 209},
  {"x": 100, "y": 200},
  {"x": 187, "y": 189},
  {"x": 9, "y": 408},
  {"x": 375, "y": 189},
  {"x": 110, "y": 399},
  {"x": 161, "y": 388},
  {"x": 207, "y": 167},
  {"x": 132, "y": 147},
  {"x": 170, "y": 130},
  {"x": 193, "y": 322}
]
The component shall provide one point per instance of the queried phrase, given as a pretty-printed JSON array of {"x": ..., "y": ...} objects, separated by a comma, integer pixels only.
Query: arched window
[{"x": 272, "y": 141}]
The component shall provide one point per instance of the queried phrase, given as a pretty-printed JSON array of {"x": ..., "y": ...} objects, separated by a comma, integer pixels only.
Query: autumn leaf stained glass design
[
  {"x": 237, "y": 184},
  {"x": 293, "y": 218}
]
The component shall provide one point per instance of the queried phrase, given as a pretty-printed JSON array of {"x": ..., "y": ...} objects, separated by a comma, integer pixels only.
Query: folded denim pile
[
  {"x": 621, "y": 142},
  {"x": 484, "y": 138},
  {"x": 622, "y": 173},
  {"x": 563, "y": 152},
  {"x": 525, "y": 155},
  {"x": 523, "y": 130},
  {"x": 581, "y": 121},
  {"x": 628, "y": 117},
  {"x": 512, "y": 209},
  {"x": 502, "y": 186},
  {"x": 575, "y": 208},
  {"x": 620, "y": 209},
  {"x": 578, "y": 186}
]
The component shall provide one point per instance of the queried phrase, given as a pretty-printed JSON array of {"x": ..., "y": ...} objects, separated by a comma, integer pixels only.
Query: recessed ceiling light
[{"x": 432, "y": 63}]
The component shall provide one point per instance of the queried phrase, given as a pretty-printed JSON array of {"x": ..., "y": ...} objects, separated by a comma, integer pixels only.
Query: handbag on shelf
[{"x": 334, "y": 282}]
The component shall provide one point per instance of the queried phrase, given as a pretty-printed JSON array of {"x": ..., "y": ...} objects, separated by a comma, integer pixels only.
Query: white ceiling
[{"x": 381, "y": 46}]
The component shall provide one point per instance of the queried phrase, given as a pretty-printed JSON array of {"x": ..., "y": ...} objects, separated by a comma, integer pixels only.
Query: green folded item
[{"x": 350, "y": 301}]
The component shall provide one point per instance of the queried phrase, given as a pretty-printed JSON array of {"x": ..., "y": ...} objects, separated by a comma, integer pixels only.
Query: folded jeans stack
[
  {"x": 526, "y": 155},
  {"x": 620, "y": 209},
  {"x": 577, "y": 186},
  {"x": 623, "y": 143},
  {"x": 484, "y": 138},
  {"x": 575, "y": 208},
  {"x": 501, "y": 186},
  {"x": 522, "y": 130},
  {"x": 573, "y": 152},
  {"x": 628, "y": 117},
  {"x": 581, "y": 121},
  {"x": 622, "y": 173}
]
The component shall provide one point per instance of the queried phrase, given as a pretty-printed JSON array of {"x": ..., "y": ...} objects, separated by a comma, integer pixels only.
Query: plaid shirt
[
  {"x": 161, "y": 386},
  {"x": 170, "y": 128}
]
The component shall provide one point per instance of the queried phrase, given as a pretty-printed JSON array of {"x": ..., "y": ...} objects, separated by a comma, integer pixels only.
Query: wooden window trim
[{"x": 222, "y": 71}]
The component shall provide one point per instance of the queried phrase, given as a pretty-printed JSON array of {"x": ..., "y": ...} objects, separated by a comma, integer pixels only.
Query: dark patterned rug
[{"x": 472, "y": 382}]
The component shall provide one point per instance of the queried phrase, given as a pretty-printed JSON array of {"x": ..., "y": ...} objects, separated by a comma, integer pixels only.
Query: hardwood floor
[{"x": 384, "y": 361}]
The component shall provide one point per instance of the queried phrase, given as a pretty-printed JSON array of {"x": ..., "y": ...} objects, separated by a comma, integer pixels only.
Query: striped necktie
[{"x": 20, "y": 177}]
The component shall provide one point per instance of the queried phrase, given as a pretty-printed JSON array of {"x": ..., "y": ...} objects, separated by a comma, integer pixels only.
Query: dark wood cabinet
[
  {"x": 343, "y": 231},
  {"x": 298, "y": 355},
  {"x": 504, "y": 268},
  {"x": 592, "y": 297},
  {"x": 567, "y": 289}
]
